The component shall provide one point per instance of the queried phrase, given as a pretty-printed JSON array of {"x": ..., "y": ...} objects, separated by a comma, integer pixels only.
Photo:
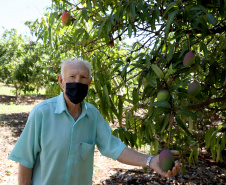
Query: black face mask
[{"x": 76, "y": 92}]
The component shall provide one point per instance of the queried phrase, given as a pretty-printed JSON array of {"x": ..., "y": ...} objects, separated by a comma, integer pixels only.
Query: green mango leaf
[
  {"x": 169, "y": 7},
  {"x": 169, "y": 71},
  {"x": 84, "y": 14},
  {"x": 89, "y": 4},
  {"x": 191, "y": 125},
  {"x": 169, "y": 21},
  {"x": 156, "y": 147},
  {"x": 159, "y": 111},
  {"x": 130, "y": 30},
  {"x": 50, "y": 34},
  {"x": 120, "y": 109},
  {"x": 196, "y": 154},
  {"x": 164, "y": 104},
  {"x": 223, "y": 141},
  {"x": 207, "y": 137},
  {"x": 135, "y": 98},
  {"x": 182, "y": 125},
  {"x": 164, "y": 122},
  {"x": 187, "y": 113},
  {"x": 45, "y": 37},
  {"x": 211, "y": 19},
  {"x": 171, "y": 51},
  {"x": 101, "y": 26},
  {"x": 106, "y": 95},
  {"x": 203, "y": 47},
  {"x": 133, "y": 9},
  {"x": 157, "y": 71}
]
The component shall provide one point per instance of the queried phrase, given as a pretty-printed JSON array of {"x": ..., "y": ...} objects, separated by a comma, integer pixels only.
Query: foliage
[
  {"x": 27, "y": 65},
  {"x": 129, "y": 73}
]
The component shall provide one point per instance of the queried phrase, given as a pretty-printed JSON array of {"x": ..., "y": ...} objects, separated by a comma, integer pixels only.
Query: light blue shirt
[{"x": 61, "y": 150}]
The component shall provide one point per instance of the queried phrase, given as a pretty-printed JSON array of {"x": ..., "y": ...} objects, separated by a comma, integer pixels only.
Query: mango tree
[
  {"x": 137, "y": 49},
  {"x": 22, "y": 63}
]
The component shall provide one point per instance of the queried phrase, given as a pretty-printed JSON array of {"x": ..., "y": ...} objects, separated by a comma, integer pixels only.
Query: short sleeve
[
  {"x": 28, "y": 145},
  {"x": 108, "y": 144}
]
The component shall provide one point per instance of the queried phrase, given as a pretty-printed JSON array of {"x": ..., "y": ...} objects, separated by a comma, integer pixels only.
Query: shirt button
[
  {"x": 68, "y": 171},
  {"x": 70, "y": 156}
]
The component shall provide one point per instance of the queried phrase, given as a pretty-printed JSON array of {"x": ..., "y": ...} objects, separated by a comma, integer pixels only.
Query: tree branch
[{"x": 203, "y": 104}]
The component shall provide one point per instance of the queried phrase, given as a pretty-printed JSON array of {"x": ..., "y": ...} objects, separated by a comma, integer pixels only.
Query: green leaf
[
  {"x": 133, "y": 9},
  {"x": 159, "y": 111},
  {"x": 223, "y": 141},
  {"x": 182, "y": 125},
  {"x": 111, "y": 19},
  {"x": 164, "y": 123},
  {"x": 135, "y": 96},
  {"x": 75, "y": 23},
  {"x": 169, "y": 7},
  {"x": 101, "y": 26},
  {"x": 169, "y": 21},
  {"x": 164, "y": 104},
  {"x": 187, "y": 113},
  {"x": 171, "y": 51},
  {"x": 203, "y": 47},
  {"x": 169, "y": 71},
  {"x": 50, "y": 34},
  {"x": 130, "y": 30},
  {"x": 45, "y": 36},
  {"x": 84, "y": 14},
  {"x": 89, "y": 5},
  {"x": 211, "y": 19},
  {"x": 207, "y": 137},
  {"x": 191, "y": 125},
  {"x": 196, "y": 154},
  {"x": 106, "y": 95},
  {"x": 157, "y": 71},
  {"x": 120, "y": 109},
  {"x": 156, "y": 147}
]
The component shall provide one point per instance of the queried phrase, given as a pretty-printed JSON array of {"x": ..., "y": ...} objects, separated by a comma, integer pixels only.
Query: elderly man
[{"x": 58, "y": 141}]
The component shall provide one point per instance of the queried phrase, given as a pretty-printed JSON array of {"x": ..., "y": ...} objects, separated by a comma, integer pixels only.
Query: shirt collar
[{"x": 61, "y": 105}]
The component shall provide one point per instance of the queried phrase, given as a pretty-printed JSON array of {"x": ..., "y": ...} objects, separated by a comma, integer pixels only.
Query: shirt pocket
[{"x": 86, "y": 150}]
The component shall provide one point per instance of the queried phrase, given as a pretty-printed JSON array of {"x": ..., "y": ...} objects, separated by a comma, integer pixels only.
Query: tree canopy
[{"x": 136, "y": 49}]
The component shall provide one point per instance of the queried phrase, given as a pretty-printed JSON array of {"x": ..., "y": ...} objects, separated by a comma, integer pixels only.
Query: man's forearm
[
  {"x": 24, "y": 175},
  {"x": 132, "y": 157}
]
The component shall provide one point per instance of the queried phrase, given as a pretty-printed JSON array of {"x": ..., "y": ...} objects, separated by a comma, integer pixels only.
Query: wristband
[{"x": 149, "y": 161}]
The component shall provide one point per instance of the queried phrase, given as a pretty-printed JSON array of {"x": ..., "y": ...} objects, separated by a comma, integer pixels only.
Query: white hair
[{"x": 71, "y": 60}]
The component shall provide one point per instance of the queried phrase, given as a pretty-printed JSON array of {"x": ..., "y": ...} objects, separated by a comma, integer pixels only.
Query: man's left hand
[{"x": 154, "y": 164}]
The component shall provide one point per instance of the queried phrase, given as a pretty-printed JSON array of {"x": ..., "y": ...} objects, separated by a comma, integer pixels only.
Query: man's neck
[{"x": 74, "y": 110}]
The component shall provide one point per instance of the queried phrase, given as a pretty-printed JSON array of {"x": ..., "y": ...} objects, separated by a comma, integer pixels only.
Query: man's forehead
[{"x": 75, "y": 66}]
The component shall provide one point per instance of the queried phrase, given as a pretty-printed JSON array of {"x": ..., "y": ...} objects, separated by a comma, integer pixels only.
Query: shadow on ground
[
  {"x": 15, "y": 121},
  {"x": 25, "y": 100}
]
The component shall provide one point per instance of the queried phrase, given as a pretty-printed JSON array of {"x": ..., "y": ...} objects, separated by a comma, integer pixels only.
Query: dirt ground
[{"x": 106, "y": 171}]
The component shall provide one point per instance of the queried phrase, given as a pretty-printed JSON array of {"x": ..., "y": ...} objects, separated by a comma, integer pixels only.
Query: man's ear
[{"x": 60, "y": 80}]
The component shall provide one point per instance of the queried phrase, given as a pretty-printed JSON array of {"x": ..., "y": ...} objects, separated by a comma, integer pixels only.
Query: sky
[{"x": 13, "y": 13}]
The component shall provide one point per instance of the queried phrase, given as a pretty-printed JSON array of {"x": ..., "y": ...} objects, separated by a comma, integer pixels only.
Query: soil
[{"x": 106, "y": 171}]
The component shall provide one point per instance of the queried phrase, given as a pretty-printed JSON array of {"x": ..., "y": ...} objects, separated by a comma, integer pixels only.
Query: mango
[
  {"x": 163, "y": 95},
  {"x": 194, "y": 88},
  {"x": 66, "y": 19},
  {"x": 189, "y": 59},
  {"x": 166, "y": 160}
]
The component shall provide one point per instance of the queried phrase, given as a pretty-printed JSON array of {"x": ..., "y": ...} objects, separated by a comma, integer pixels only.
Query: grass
[
  {"x": 9, "y": 90},
  {"x": 4, "y": 90},
  {"x": 13, "y": 108}
]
